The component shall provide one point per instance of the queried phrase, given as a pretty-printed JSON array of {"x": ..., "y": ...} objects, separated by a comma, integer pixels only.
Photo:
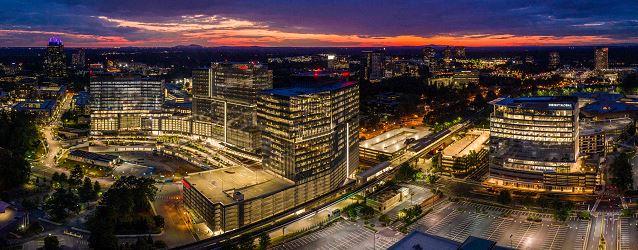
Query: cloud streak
[{"x": 318, "y": 23}]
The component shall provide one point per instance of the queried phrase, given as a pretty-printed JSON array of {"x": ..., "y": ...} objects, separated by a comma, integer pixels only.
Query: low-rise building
[
  {"x": 230, "y": 198},
  {"x": 466, "y": 154},
  {"x": 389, "y": 145},
  {"x": 103, "y": 160},
  {"x": 388, "y": 198},
  {"x": 597, "y": 138},
  {"x": 42, "y": 109}
]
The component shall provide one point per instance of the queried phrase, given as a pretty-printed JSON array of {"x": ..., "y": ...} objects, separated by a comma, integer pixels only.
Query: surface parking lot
[
  {"x": 507, "y": 227},
  {"x": 343, "y": 235},
  {"x": 457, "y": 221}
]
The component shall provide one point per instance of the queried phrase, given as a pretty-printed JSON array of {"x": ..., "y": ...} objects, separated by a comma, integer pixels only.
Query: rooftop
[
  {"x": 420, "y": 240},
  {"x": 93, "y": 156},
  {"x": 605, "y": 107},
  {"x": 393, "y": 140},
  {"x": 219, "y": 185},
  {"x": 590, "y": 127},
  {"x": 472, "y": 141},
  {"x": 55, "y": 41},
  {"x": 539, "y": 102},
  {"x": 35, "y": 105},
  {"x": 304, "y": 90}
]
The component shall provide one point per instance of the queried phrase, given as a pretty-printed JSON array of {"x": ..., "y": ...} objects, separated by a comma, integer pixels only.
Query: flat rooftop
[
  {"x": 539, "y": 102},
  {"x": 304, "y": 90},
  {"x": 474, "y": 140},
  {"x": 591, "y": 127},
  {"x": 219, "y": 185},
  {"x": 393, "y": 140}
]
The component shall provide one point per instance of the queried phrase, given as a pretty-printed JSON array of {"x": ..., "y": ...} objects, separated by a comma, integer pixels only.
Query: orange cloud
[{"x": 222, "y": 31}]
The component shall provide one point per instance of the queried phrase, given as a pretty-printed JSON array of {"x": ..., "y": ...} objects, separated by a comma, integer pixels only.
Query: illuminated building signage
[{"x": 559, "y": 105}]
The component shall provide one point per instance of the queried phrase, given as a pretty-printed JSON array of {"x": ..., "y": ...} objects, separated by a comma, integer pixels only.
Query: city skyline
[{"x": 315, "y": 24}]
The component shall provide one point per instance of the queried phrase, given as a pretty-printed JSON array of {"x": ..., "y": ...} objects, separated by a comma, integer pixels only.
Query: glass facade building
[
  {"x": 123, "y": 102},
  {"x": 226, "y": 95},
  {"x": 310, "y": 133},
  {"x": 534, "y": 140}
]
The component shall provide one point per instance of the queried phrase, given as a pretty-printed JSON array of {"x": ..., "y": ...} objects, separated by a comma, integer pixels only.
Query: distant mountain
[{"x": 191, "y": 46}]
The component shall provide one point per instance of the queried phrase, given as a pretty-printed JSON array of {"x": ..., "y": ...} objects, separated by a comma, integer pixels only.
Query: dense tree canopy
[
  {"x": 124, "y": 208},
  {"x": 19, "y": 140}
]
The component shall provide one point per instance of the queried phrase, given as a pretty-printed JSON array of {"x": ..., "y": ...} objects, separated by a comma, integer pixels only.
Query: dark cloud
[{"x": 614, "y": 19}]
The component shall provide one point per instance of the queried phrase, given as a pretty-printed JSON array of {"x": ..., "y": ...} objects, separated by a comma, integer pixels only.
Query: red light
[
  {"x": 186, "y": 185},
  {"x": 243, "y": 67},
  {"x": 345, "y": 73}
]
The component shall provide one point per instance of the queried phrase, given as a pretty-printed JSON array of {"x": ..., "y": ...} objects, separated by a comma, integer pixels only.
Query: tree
[
  {"x": 504, "y": 197},
  {"x": 366, "y": 212},
  {"x": 406, "y": 173},
  {"x": 527, "y": 200},
  {"x": 264, "y": 240},
  {"x": 19, "y": 140},
  {"x": 51, "y": 243},
  {"x": 97, "y": 188},
  {"x": 384, "y": 219},
  {"x": 621, "y": 172},
  {"x": 158, "y": 244},
  {"x": 61, "y": 203},
  {"x": 159, "y": 221},
  {"x": 14, "y": 170},
  {"x": 75, "y": 179},
  {"x": 102, "y": 232},
  {"x": 86, "y": 191},
  {"x": 246, "y": 242}
]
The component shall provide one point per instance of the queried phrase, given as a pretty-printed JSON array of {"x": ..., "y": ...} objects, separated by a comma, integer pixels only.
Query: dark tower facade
[{"x": 55, "y": 60}]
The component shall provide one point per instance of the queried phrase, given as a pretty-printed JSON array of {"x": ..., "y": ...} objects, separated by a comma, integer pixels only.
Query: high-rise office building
[
  {"x": 55, "y": 60},
  {"x": 534, "y": 145},
  {"x": 123, "y": 102},
  {"x": 459, "y": 52},
  {"x": 78, "y": 59},
  {"x": 429, "y": 59},
  {"x": 226, "y": 94},
  {"x": 554, "y": 60},
  {"x": 372, "y": 65},
  {"x": 601, "y": 58},
  {"x": 311, "y": 133},
  {"x": 447, "y": 58}
]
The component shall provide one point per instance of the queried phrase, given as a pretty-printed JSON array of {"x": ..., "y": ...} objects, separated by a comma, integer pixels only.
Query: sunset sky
[{"x": 109, "y": 23}]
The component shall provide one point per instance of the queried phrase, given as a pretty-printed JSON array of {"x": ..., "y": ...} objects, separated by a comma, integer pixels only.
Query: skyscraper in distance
[
  {"x": 372, "y": 65},
  {"x": 601, "y": 58},
  {"x": 447, "y": 58},
  {"x": 78, "y": 59},
  {"x": 554, "y": 60},
  {"x": 459, "y": 52},
  {"x": 55, "y": 60},
  {"x": 429, "y": 59}
]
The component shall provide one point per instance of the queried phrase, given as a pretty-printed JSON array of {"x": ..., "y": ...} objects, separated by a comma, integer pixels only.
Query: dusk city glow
[
  {"x": 330, "y": 125},
  {"x": 152, "y": 23}
]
